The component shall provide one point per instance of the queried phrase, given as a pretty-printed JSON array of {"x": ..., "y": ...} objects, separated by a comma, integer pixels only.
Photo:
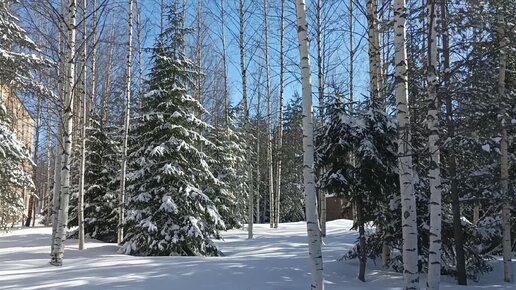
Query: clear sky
[{"x": 335, "y": 43}]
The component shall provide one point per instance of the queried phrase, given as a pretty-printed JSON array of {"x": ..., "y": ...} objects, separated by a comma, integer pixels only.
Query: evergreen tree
[
  {"x": 101, "y": 188},
  {"x": 18, "y": 55},
  {"x": 14, "y": 159},
  {"x": 230, "y": 158},
  {"x": 18, "y": 64},
  {"x": 168, "y": 212},
  {"x": 292, "y": 202},
  {"x": 357, "y": 157}
]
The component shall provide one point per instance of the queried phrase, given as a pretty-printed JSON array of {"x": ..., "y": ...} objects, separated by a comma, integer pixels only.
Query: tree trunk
[
  {"x": 32, "y": 201},
  {"x": 140, "y": 54},
  {"x": 408, "y": 198},
  {"x": 351, "y": 58},
  {"x": 30, "y": 208},
  {"x": 80, "y": 210},
  {"x": 434, "y": 174},
  {"x": 61, "y": 78},
  {"x": 48, "y": 196},
  {"x": 258, "y": 176},
  {"x": 375, "y": 64},
  {"x": 320, "y": 76},
  {"x": 225, "y": 65},
  {"x": 198, "y": 50},
  {"x": 127, "y": 117},
  {"x": 362, "y": 240},
  {"x": 272, "y": 214},
  {"x": 67, "y": 120},
  {"x": 106, "y": 98},
  {"x": 312, "y": 225},
  {"x": 280, "y": 125},
  {"x": 452, "y": 162},
  {"x": 243, "y": 70},
  {"x": 504, "y": 161},
  {"x": 93, "y": 72}
]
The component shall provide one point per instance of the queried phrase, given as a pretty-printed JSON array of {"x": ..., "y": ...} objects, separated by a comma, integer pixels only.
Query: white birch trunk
[
  {"x": 140, "y": 54},
  {"x": 351, "y": 62},
  {"x": 406, "y": 175},
  {"x": 80, "y": 210},
  {"x": 269, "y": 118},
  {"x": 258, "y": 149},
  {"x": 434, "y": 174},
  {"x": 107, "y": 85},
  {"x": 374, "y": 53},
  {"x": 48, "y": 199},
  {"x": 280, "y": 125},
  {"x": 127, "y": 117},
  {"x": 56, "y": 194},
  {"x": 243, "y": 70},
  {"x": 93, "y": 90},
  {"x": 67, "y": 120},
  {"x": 504, "y": 161},
  {"x": 224, "y": 64},
  {"x": 320, "y": 76},
  {"x": 312, "y": 225}
]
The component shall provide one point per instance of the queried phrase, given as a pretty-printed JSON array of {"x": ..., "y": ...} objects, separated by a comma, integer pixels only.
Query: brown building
[
  {"x": 337, "y": 207},
  {"x": 22, "y": 125}
]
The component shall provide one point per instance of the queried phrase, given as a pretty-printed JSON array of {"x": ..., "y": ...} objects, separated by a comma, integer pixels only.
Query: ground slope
[{"x": 276, "y": 259}]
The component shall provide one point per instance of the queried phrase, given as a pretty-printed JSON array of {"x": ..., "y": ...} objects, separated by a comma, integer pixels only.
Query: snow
[
  {"x": 277, "y": 259},
  {"x": 486, "y": 147}
]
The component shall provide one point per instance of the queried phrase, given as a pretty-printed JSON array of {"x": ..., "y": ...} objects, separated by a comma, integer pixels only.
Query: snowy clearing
[{"x": 276, "y": 259}]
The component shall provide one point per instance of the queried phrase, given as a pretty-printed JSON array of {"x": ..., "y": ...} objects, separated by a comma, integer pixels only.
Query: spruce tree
[
  {"x": 168, "y": 212},
  {"x": 101, "y": 185},
  {"x": 19, "y": 59},
  {"x": 229, "y": 161},
  {"x": 14, "y": 159},
  {"x": 292, "y": 202}
]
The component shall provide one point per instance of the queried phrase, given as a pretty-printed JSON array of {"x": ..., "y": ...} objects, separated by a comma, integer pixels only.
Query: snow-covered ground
[{"x": 276, "y": 259}]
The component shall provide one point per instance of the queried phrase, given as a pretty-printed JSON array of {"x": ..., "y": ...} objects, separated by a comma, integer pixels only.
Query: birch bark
[
  {"x": 80, "y": 210},
  {"x": 61, "y": 77},
  {"x": 57, "y": 254},
  {"x": 405, "y": 166},
  {"x": 434, "y": 173},
  {"x": 280, "y": 125},
  {"x": 243, "y": 70},
  {"x": 312, "y": 225},
  {"x": 127, "y": 117},
  {"x": 320, "y": 76},
  {"x": 93, "y": 72},
  {"x": 272, "y": 213}
]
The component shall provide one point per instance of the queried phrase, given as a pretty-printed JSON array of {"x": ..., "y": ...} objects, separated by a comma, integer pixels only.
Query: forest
[{"x": 173, "y": 127}]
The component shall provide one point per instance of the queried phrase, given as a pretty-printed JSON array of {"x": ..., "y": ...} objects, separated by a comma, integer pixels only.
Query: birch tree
[
  {"x": 312, "y": 224},
  {"x": 320, "y": 76},
  {"x": 243, "y": 70},
  {"x": 434, "y": 174},
  {"x": 269, "y": 117},
  {"x": 280, "y": 125},
  {"x": 504, "y": 161},
  {"x": 127, "y": 116},
  {"x": 452, "y": 159},
  {"x": 93, "y": 72},
  {"x": 56, "y": 256},
  {"x": 405, "y": 166},
  {"x": 80, "y": 211},
  {"x": 224, "y": 64}
]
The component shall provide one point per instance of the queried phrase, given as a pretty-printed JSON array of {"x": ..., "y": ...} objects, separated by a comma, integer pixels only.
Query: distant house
[
  {"x": 338, "y": 207},
  {"x": 22, "y": 124}
]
